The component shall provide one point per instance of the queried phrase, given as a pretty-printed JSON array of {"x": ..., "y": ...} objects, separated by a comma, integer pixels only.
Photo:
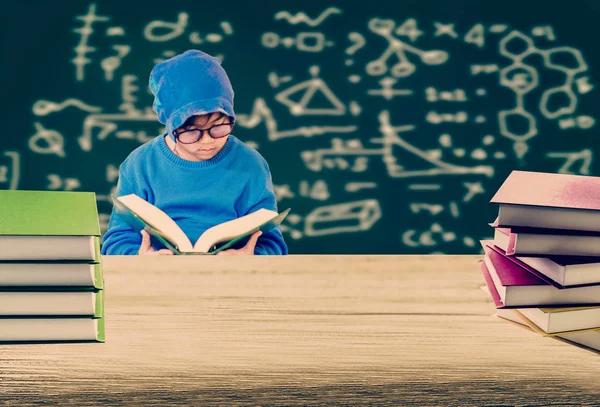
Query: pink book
[
  {"x": 548, "y": 189},
  {"x": 510, "y": 273},
  {"x": 519, "y": 288},
  {"x": 490, "y": 285},
  {"x": 489, "y": 244},
  {"x": 548, "y": 200}
]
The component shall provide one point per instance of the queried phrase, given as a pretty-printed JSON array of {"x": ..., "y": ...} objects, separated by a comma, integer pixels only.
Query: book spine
[
  {"x": 99, "y": 306},
  {"x": 101, "y": 335},
  {"x": 97, "y": 253},
  {"x": 512, "y": 244},
  {"x": 98, "y": 276}
]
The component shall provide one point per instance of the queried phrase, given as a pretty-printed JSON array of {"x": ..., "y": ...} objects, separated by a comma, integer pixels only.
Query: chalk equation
[{"x": 10, "y": 169}]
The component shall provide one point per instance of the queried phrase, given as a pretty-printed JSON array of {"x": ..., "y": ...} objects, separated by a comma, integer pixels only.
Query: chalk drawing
[
  {"x": 522, "y": 79},
  {"x": 473, "y": 188},
  {"x": 45, "y": 107},
  {"x": 445, "y": 29},
  {"x": 301, "y": 17},
  {"x": 46, "y": 141},
  {"x": 318, "y": 191},
  {"x": 82, "y": 48},
  {"x": 544, "y": 31},
  {"x": 387, "y": 90},
  {"x": 583, "y": 157},
  {"x": 261, "y": 113},
  {"x": 115, "y": 32},
  {"x": 10, "y": 174},
  {"x": 110, "y": 64},
  {"x": 310, "y": 87},
  {"x": 173, "y": 30},
  {"x": 357, "y": 186},
  {"x": 399, "y": 48},
  {"x": 304, "y": 41},
  {"x": 433, "y": 209},
  {"x": 56, "y": 182},
  {"x": 283, "y": 192},
  {"x": 424, "y": 187},
  {"x": 349, "y": 217},
  {"x": 275, "y": 80},
  {"x": 358, "y": 42},
  {"x": 109, "y": 123},
  {"x": 391, "y": 137}
]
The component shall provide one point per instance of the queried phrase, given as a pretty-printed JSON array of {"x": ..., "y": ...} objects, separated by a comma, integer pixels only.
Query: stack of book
[
  {"x": 51, "y": 283},
  {"x": 542, "y": 268}
]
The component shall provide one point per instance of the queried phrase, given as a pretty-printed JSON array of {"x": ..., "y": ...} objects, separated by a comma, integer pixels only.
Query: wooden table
[{"x": 301, "y": 330}]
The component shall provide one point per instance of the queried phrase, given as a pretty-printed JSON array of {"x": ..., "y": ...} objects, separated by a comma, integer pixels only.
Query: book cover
[
  {"x": 48, "y": 213},
  {"x": 550, "y": 190}
]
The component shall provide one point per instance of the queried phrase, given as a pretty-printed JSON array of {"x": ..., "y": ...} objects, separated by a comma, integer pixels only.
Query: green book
[
  {"x": 49, "y": 225},
  {"x": 57, "y": 328},
  {"x": 54, "y": 274},
  {"x": 45, "y": 330},
  {"x": 140, "y": 214},
  {"x": 51, "y": 303}
]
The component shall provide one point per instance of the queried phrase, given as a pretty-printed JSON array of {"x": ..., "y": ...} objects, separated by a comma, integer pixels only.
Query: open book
[{"x": 141, "y": 214}]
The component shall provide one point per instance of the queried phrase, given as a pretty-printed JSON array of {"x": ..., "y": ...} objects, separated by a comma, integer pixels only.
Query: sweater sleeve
[
  {"x": 120, "y": 238},
  {"x": 270, "y": 242}
]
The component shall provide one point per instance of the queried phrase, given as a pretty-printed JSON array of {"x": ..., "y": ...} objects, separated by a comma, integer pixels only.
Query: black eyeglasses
[{"x": 194, "y": 135}]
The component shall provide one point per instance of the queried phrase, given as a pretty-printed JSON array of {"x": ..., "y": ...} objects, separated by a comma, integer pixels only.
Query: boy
[{"x": 198, "y": 173}]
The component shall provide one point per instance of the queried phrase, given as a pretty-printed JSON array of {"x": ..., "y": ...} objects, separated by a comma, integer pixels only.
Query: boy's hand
[
  {"x": 146, "y": 247},
  {"x": 247, "y": 250}
]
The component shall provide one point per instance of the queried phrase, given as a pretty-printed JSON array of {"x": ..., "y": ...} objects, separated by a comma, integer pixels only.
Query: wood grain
[{"x": 300, "y": 330}]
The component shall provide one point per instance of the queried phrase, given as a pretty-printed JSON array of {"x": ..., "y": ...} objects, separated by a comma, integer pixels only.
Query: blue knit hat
[{"x": 188, "y": 84}]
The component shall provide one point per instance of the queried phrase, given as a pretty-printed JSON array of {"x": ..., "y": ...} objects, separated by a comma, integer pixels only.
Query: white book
[
  {"x": 140, "y": 213},
  {"x": 51, "y": 274},
  {"x": 553, "y": 320},
  {"x": 589, "y": 339},
  {"x": 51, "y": 329},
  {"x": 546, "y": 242},
  {"x": 51, "y": 303},
  {"x": 39, "y": 247},
  {"x": 566, "y": 270}
]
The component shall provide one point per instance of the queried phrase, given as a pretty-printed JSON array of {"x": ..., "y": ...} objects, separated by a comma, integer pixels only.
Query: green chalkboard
[{"x": 387, "y": 125}]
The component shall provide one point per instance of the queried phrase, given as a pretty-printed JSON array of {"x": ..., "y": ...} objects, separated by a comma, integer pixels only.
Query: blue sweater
[{"x": 195, "y": 194}]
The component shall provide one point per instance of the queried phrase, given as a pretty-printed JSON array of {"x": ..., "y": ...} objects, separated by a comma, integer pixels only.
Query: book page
[
  {"x": 157, "y": 220},
  {"x": 236, "y": 228}
]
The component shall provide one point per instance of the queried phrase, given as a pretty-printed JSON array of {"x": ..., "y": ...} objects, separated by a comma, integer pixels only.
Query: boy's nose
[{"x": 205, "y": 137}]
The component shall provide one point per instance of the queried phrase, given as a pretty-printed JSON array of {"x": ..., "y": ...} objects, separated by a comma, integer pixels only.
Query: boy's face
[{"x": 207, "y": 147}]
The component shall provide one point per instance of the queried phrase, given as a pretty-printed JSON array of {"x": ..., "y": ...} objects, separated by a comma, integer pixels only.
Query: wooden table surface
[{"x": 300, "y": 330}]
